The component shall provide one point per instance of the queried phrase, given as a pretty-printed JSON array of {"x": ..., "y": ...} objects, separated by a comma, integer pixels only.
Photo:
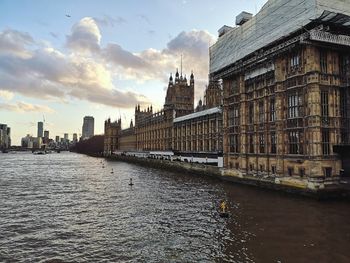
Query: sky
[{"x": 63, "y": 60}]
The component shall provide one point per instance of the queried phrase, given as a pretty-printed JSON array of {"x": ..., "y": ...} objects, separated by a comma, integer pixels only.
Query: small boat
[
  {"x": 131, "y": 184},
  {"x": 39, "y": 152}
]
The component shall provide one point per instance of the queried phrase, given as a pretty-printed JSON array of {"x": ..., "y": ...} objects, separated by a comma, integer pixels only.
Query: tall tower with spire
[{"x": 180, "y": 94}]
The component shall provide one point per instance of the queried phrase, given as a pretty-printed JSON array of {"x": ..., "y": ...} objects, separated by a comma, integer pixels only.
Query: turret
[
  {"x": 177, "y": 76},
  {"x": 192, "y": 79},
  {"x": 171, "y": 79}
]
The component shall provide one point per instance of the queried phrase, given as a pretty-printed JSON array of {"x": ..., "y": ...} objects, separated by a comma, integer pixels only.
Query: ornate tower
[
  {"x": 180, "y": 95},
  {"x": 213, "y": 95}
]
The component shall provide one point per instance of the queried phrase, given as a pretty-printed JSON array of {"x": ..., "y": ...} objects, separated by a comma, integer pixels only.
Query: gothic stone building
[
  {"x": 154, "y": 130},
  {"x": 200, "y": 133},
  {"x": 111, "y": 136},
  {"x": 285, "y": 75}
]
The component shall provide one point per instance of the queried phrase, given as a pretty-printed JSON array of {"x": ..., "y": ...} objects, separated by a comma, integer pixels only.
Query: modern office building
[
  {"x": 88, "y": 127},
  {"x": 40, "y": 129}
]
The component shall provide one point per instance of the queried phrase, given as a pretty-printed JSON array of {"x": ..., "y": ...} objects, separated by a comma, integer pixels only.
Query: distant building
[
  {"x": 88, "y": 127},
  {"x": 66, "y": 139},
  {"x": 57, "y": 139},
  {"x": 31, "y": 142},
  {"x": 46, "y": 137},
  {"x": 5, "y": 136},
  {"x": 111, "y": 138},
  {"x": 40, "y": 129},
  {"x": 75, "y": 137}
]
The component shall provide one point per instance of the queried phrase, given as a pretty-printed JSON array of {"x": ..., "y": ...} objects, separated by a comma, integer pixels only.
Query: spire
[
  {"x": 192, "y": 76},
  {"x": 181, "y": 65},
  {"x": 171, "y": 78}
]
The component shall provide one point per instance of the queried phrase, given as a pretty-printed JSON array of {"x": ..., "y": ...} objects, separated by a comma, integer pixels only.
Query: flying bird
[{"x": 67, "y": 15}]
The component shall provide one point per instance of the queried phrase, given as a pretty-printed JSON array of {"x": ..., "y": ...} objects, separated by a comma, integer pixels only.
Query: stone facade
[
  {"x": 112, "y": 136},
  {"x": 199, "y": 132},
  {"x": 127, "y": 139},
  {"x": 283, "y": 116},
  {"x": 154, "y": 130}
]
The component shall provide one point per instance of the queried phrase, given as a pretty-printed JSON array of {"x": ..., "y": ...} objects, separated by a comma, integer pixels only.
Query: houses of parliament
[{"x": 274, "y": 106}]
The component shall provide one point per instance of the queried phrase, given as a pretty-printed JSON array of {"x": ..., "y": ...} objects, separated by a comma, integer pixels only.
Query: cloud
[
  {"x": 6, "y": 95},
  {"x": 144, "y": 18},
  {"x": 54, "y": 35},
  {"x": 87, "y": 70},
  {"x": 85, "y": 36},
  {"x": 24, "y": 107},
  {"x": 14, "y": 42},
  {"x": 117, "y": 55},
  {"x": 109, "y": 21}
]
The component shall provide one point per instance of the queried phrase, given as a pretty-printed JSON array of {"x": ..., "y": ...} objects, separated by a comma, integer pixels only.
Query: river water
[{"x": 70, "y": 208}]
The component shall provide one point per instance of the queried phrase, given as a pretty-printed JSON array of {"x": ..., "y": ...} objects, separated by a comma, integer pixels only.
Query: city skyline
[{"x": 78, "y": 58}]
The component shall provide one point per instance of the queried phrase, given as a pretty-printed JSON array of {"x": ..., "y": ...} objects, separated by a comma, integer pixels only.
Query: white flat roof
[{"x": 199, "y": 114}]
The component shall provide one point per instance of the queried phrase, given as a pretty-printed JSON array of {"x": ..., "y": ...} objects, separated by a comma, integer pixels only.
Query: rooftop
[
  {"x": 198, "y": 114},
  {"x": 275, "y": 20}
]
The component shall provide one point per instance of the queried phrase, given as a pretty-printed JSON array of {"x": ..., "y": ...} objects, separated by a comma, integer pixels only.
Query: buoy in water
[
  {"x": 112, "y": 171},
  {"x": 131, "y": 182}
]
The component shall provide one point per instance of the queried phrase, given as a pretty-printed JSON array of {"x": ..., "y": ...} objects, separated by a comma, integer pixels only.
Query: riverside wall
[{"x": 315, "y": 187}]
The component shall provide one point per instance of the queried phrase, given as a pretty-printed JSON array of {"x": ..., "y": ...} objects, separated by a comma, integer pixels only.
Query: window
[
  {"x": 261, "y": 112},
  {"x": 325, "y": 142},
  {"x": 294, "y": 105},
  {"x": 327, "y": 171},
  {"x": 301, "y": 172},
  {"x": 261, "y": 143},
  {"x": 272, "y": 109},
  {"x": 290, "y": 171},
  {"x": 237, "y": 166},
  {"x": 324, "y": 104},
  {"x": 261, "y": 168},
  {"x": 295, "y": 60},
  {"x": 323, "y": 61},
  {"x": 344, "y": 64},
  {"x": 234, "y": 116},
  {"x": 234, "y": 87},
  {"x": 234, "y": 143},
  {"x": 273, "y": 142},
  {"x": 295, "y": 146},
  {"x": 251, "y": 143},
  {"x": 251, "y": 113}
]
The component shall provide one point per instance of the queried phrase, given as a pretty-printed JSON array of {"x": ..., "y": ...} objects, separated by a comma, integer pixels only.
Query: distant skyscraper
[
  {"x": 88, "y": 127},
  {"x": 75, "y": 137},
  {"x": 57, "y": 139},
  {"x": 66, "y": 137},
  {"x": 46, "y": 135},
  {"x": 5, "y": 136},
  {"x": 40, "y": 129}
]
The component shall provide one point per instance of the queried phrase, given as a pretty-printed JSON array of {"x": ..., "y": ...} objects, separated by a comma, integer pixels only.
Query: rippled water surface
[{"x": 71, "y": 208}]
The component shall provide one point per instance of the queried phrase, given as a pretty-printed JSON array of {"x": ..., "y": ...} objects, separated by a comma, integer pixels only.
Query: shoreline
[{"x": 308, "y": 188}]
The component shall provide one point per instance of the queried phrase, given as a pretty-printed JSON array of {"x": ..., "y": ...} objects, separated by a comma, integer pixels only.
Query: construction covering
[{"x": 275, "y": 20}]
